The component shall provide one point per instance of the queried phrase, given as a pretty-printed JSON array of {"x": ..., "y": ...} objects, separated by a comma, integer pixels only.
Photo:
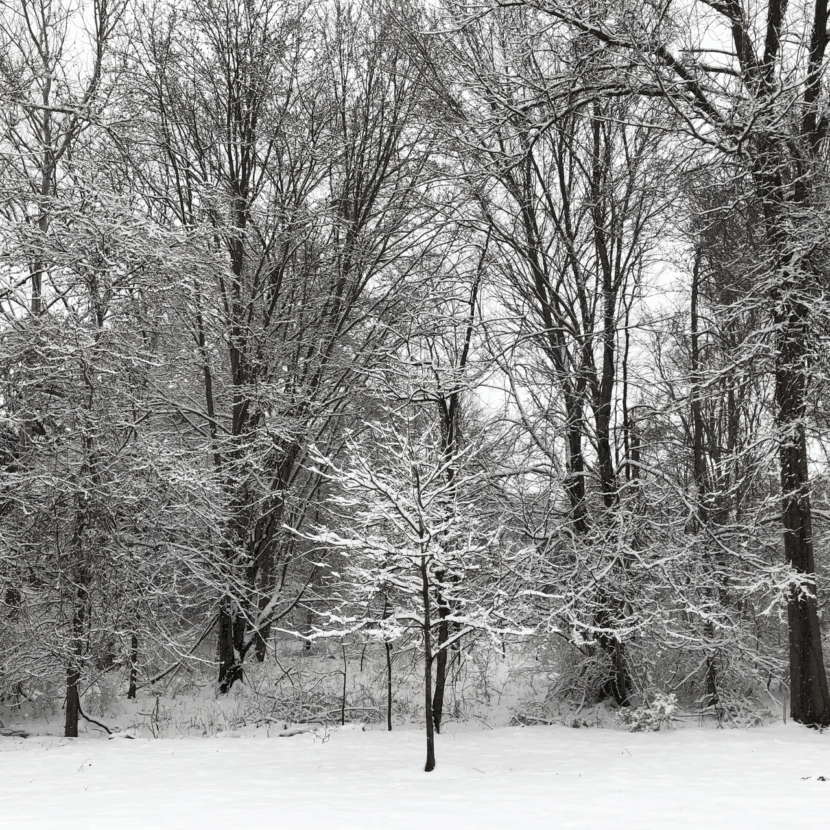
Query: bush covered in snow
[{"x": 651, "y": 717}]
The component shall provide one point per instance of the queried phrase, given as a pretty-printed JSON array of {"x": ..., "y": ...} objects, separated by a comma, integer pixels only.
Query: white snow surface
[{"x": 515, "y": 778}]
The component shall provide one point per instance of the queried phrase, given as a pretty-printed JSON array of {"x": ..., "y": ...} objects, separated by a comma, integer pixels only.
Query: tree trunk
[
  {"x": 712, "y": 698},
  {"x": 701, "y": 519},
  {"x": 80, "y": 575},
  {"x": 809, "y": 699},
  {"x": 430, "y": 762},
  {"x": 73, "y": 701},
  {"x": 617, "y": 685},
  {"x": 131, "y": 692},
  {"x": 231, "y": 643},
  {"x": 388, "y": 647},
  {"x": 440, "y": 665},
  {"x": 73, "y": 669},
  {"x": 575, "y": 468}
]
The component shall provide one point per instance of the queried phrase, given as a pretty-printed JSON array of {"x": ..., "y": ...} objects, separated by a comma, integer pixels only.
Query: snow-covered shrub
[
  {"x": 651, "y": 717},
  {"x": 102, "y": 695},
  {"x": 740, "y": 710}
]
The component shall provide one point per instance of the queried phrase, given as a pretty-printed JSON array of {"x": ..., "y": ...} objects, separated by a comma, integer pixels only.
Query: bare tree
[
  {"x": 570, "y": 197},
  {"x": 414, "y": 539},
  {"x": 302, "y": 164},
  {"x": 758, "y": 102},
  {"x": 53, "y": 90}
]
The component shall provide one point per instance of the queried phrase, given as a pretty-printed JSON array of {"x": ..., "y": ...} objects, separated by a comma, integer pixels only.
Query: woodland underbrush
[{"x": 334, "y": 683}]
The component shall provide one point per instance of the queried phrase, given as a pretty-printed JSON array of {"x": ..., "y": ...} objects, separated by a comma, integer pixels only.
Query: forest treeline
[{"x": 434, "y": 324}]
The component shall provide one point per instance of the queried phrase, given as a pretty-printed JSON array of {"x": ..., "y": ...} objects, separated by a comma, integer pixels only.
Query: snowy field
[{"x": 533, "y": 777}]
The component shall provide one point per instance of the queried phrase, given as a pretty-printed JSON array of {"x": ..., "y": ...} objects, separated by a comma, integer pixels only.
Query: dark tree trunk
[
  {"x": 12, "y": 601},
  {"x": 73, "y": 701},
  {"x": 575, "y": 468},
  {"x": 809, "y": 699},
  {"x": 231, "y": 644},
  {"x": 602, "y": 389},
  {"x": 343, "y": 698},
  {"x": 701, "y": 518},
  {"x": 131, "y": 692},
  {"x": 440, "y": 665},
  {"x": 80, "y": 575},
  {"x": 73, "y": 670},
  {"x": 430, "y": 762},
  {"x": 711, "y": 668},
  {"x": 388, "y": 647},
  {"x": 612, "y": 607},
  {"x": 449, "y": 410},
  {"x": 617, "y": 685}
]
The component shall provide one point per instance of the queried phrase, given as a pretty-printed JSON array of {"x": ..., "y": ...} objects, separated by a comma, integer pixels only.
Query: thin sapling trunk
[{"x": 430, "y": 763}]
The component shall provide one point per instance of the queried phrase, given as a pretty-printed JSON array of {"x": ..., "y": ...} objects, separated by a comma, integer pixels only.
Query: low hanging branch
[
  {"x": 92, "y": 720},
  {"x": 181, "y": 660}
]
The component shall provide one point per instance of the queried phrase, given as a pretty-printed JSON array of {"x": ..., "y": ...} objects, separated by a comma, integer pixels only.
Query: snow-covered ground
[{"x": 514, "y": 778}]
